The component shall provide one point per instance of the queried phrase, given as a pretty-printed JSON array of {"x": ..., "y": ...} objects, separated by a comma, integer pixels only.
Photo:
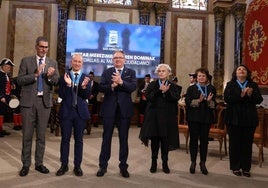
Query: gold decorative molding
[
  {"x": 145, "y": 7},
  {"x": 219, "y": 13},
  {"x": 63, "y": 3},
  {"x": 162, "y": 8},
  {"x": 239, "y": 10},
  {"x": 80, "y": 4}
]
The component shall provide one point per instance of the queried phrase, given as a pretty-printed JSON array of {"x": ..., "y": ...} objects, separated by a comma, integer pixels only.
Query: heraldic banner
[{"x": 255, "y": 42}]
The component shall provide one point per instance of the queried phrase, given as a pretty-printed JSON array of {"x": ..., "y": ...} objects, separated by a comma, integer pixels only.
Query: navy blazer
[
  {"x": 121, "y": 95},
  {"x": 66, "y": 94}
]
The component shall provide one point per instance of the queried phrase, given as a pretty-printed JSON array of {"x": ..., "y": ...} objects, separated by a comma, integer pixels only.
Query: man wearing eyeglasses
[
  {"x": 117, "y": 83},
  {"x": 37, "y": 76}
]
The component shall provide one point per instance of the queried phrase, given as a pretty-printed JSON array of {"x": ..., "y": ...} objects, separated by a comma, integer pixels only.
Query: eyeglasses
[
  {"x": 118, "y": 58},
  {"x": 44, "y": 47}
]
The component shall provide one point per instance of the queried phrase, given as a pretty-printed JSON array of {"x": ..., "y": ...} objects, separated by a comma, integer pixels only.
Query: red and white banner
[{"x": 255, "y": 42}]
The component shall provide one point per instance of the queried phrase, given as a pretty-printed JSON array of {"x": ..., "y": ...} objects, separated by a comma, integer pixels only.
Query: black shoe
[
  {"x": 203, "y": 168},
  {"x": 1, "y": 134},
  {"x": 24, "y": 171},
  {"x": 78, "y": 171},
  {"x": 42, "y": 169},
  {"x": 210, "y": 139},
  {"x": 192, "y": 167},
  {"x": 101, "y": 172},
  {"x": 17, "y": 128},
  {"x": 246, "y": 174},
  {"x": 62, "y": 170},
  {"x": 237, "y": 172},
  {"x": 153, "y": 166},
  {"x": 165, "y": 168},
  {"x": 124, "y": 173},
  {"x": 5, "y": 133}
]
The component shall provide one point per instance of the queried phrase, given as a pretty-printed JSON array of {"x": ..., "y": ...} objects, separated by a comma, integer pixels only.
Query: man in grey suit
[{"x": 37, "y": 76}]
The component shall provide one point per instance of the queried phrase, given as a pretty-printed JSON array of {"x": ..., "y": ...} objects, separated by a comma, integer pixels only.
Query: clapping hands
[
  {"x": 247, "y": 91},
  {"x": 163, "y": 87}
]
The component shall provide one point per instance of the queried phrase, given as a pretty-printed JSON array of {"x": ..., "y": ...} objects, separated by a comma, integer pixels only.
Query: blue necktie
[
  {"x": 75, "y": 89},
  {"x": 40, "y": 81},
  {"x": 119, "y": 71}
]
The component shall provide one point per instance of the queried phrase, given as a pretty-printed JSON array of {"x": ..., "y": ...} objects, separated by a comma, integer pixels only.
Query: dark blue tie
[
  {"x": 75, "y": 89},
  {"x": 40, "y": 81},
  {"x": 119, "y": 71}
]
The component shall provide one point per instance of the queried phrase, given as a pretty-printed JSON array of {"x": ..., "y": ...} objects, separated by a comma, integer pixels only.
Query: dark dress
[
  {"x": 241, "y": 120},
  {"x": 160, "y": 115}
]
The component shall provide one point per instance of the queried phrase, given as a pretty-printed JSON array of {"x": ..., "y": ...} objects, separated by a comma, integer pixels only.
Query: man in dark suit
[
  {"x": 37, "y": 76},
  {"x": 117, "y": 83},
  {"x": 92, "y": 99},
  {"x": 73, "y": 114}
]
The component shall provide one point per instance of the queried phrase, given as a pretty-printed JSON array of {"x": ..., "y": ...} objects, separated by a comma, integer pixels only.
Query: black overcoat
[
  {"x": 161, "y": 115},
  {"x": 201, "y": 113},
  {"x": 241, "y": 111}
]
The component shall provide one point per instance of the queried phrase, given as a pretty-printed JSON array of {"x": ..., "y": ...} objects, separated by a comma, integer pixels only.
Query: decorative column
[
  {"x": 144, "y": 12},
  {"x": 219, "y": 14},
  {"x": 63, "y": 8},
  {"x": 80, "y": 9},
  {"x": 238, "y": 10},
  {"x": 161, "y": 10}
]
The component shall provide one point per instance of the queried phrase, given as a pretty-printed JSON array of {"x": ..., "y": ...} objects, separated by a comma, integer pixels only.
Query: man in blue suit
[
  {"x": 117, "y": 83},
  {"x": 73, "y": 114}
]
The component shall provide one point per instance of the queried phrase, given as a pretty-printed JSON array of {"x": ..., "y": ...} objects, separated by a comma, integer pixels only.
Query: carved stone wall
[{"x": 25, "y": 24}]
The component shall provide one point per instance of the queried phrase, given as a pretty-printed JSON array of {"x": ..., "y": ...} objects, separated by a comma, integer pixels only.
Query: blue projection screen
[{"x": 97, "y": 41}]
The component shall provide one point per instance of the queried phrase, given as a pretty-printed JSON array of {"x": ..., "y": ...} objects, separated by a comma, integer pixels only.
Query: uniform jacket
[{"x": 3, "y": 82}]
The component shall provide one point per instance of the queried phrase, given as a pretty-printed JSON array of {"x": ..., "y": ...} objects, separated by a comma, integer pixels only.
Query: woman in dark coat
[
  {"x": 200, "y": 108},
  {"x": 160, "y": 124},
  {"x": 241, "y": 95}
]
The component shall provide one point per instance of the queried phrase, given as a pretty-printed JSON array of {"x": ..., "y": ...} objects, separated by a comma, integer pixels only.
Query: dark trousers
[
  {"x": 240, "y": 147},
  {"x": 78, "y": 125},
  {"x": 155, "y": 145},
  {"x": 108, "y": 128},
  {"x": 198, "y": 131}
]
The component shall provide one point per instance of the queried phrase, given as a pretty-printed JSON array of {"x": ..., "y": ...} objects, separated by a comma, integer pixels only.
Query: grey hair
[
  {"x": 162, "y": 65},
  {"x": 77, "y": 54}
]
